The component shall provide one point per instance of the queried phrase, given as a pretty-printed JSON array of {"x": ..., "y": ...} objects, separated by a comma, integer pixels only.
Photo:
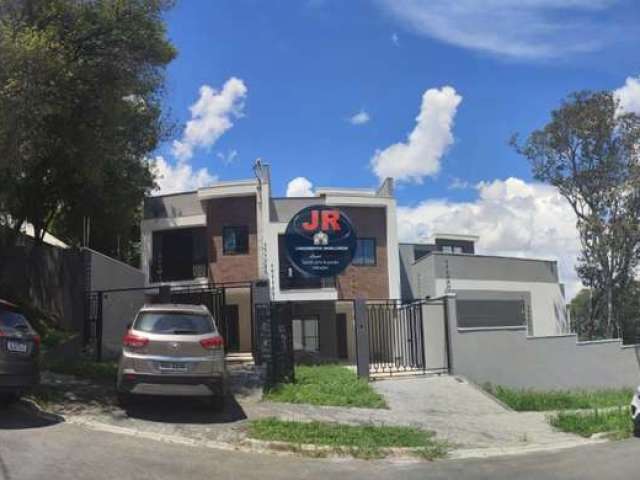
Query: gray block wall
[{"x": 508, "y": 357}]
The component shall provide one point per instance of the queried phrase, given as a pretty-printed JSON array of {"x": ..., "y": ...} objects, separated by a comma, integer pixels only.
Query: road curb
[
  {"x": 290, "y": 449},
  {"x": 490, "y": 452}
]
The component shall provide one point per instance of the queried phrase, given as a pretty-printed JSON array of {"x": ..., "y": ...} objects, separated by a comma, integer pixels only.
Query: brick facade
[
  {"x": 370, "y": 281},
  {"x": 232, "y": 212}
]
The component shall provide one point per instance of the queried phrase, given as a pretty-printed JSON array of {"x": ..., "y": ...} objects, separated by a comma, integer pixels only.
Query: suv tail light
[
  {"x": 212, "y": 342},
  {"x": 36, "y": 341},
  {"x": 134, "y": 341}
]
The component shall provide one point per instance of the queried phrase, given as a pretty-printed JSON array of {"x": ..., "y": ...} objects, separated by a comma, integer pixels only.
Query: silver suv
[{"x": 173, "y": 350}]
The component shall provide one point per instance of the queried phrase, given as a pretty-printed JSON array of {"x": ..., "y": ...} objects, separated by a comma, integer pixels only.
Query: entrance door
[
  {"x": 341, "y": 335},
  {"x": 232, "y": 328}
]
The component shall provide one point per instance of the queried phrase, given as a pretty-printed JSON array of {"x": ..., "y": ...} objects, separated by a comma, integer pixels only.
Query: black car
[{"x": 19, "y": 350}]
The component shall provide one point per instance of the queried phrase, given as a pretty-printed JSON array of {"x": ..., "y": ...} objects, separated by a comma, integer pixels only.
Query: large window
[
  {"x": 305, "y": 334},
  {"x": 179, "y": 254},
  {"x": 235, "y": 240},
  {"x": 365, "y": 252}
]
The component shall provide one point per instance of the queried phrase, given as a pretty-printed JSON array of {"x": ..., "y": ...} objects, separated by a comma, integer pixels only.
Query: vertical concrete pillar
[{"x": 451, "y": 324}]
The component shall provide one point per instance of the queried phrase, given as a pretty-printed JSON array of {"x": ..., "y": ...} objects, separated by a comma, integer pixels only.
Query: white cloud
[
  {"x": 629, "y": 95},
  {"x": 300, "y": 187},
  {"x": 395, "y": 39},
  {"x": 211, "y": 116},
  {"x": 179, "y": 177},
  {"x": 359, "y": 118},
  {"x": 420, "y": 155},
  {"x": 512, "y": 217},
  {"x": 525, "y": 29},
  {"x": 229, "y": 157},
  {"x": 458, "y": 184}
]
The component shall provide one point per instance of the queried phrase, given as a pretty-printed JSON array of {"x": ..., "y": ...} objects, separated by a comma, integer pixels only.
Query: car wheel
[
  {"x": 217, "y": 402},
  {"x": 636, "y": 427}
]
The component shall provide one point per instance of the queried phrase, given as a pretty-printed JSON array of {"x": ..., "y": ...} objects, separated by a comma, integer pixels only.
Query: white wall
[{"x": 548, "y": 313}]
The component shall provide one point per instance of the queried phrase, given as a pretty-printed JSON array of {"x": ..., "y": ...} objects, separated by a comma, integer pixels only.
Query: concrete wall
[
  {"x": 507, "y": 356},
  {"x": 107, "y": 273},
  {"x": 433, "y": 319},
  {"x": 118, "y": 310},
  {"x": 438, "y": 273},
  {"x": 174, "y": 205},
  {"x": 242, "y": 298},
  {"x": 547, "y": 307}
]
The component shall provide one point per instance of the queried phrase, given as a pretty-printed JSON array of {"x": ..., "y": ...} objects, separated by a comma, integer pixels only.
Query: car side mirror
[{"x": 129, "y": 325}]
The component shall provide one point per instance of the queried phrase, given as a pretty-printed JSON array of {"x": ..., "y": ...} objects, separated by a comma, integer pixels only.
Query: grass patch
[
  {"x": 585, "y": 424},
  {"x": 327, "y": 385},
  {"x": 102, "y": 371},
  {"x": 538, "y": 400},
  {"x": 359, "y": 441}
]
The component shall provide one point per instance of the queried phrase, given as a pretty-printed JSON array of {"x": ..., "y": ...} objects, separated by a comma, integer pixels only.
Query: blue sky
[{"x": 300, "y": 70}]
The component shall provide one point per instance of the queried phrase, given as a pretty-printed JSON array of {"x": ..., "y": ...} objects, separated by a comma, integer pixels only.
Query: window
[
  {"x": 179, "y": 254},
  {"x": 305, "y": 335},
  {"x": 235, "y": 240},
  {"x": 447, "y": 249},
  {"x": 174, "y": 323},
  {"x": 11, "y": 321},
  {"x": 457, "y": 249},
  {"x": 365, "y": 252}
]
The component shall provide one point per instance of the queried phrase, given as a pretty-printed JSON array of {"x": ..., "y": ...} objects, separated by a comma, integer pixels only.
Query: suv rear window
[
  {"x": 10, "y": 320},
  {"x": 174, "y": 323}
]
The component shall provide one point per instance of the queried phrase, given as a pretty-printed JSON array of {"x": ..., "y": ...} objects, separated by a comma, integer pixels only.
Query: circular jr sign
[{"x": 320, "y": 241}]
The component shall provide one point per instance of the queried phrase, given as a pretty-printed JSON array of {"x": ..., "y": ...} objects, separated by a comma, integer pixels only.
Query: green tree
[
  {"x": 589, "y": 151},
  {"x": 81, "y": 88}
]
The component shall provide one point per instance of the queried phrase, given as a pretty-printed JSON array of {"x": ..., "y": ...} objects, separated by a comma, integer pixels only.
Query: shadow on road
[
  {"x": 185, "y": 410},
  {"x": 21, "y": 416}
]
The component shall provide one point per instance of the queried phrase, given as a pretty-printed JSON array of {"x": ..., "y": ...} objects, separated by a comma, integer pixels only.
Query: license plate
[
  {"x": 173, "y": 367},
  {"x": 19, "y": 347}
]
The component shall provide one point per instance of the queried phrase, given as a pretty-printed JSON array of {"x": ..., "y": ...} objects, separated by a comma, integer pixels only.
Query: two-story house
[{"x": 232, "y": 234}]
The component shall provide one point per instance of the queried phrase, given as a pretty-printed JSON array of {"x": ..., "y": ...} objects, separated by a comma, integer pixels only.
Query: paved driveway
[{"x": 464, "y": 414}]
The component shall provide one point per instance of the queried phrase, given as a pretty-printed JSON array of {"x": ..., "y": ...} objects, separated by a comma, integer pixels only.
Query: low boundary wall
[{"x": 507, "y": 356}]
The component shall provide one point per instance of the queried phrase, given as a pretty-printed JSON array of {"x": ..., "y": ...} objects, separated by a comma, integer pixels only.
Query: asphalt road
[{"x": 31, "y": 448}]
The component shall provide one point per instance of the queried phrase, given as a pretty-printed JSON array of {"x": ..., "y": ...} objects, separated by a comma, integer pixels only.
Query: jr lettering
[{"x": 325, "y": 220}]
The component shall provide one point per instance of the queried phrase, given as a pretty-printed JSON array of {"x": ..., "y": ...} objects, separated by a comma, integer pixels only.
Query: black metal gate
[
  {"x": 274, "y": 341},
  {"x": 396, "y": 338},
  {"x": 210, "y": 296}
]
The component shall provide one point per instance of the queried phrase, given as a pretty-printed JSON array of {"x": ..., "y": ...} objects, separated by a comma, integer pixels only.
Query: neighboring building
[
  {"x": 232, "y": 233},
  {"x": 491, "y": 291}
]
